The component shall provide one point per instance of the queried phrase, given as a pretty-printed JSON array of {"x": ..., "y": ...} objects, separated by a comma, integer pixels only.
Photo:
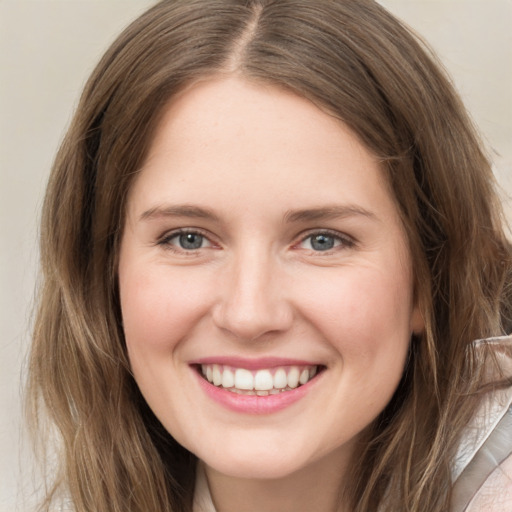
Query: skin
[{"x": 250, "y": 155}]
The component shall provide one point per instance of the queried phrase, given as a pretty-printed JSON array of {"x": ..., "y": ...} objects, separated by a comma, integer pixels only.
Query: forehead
[{"x": 228, "y": 138}]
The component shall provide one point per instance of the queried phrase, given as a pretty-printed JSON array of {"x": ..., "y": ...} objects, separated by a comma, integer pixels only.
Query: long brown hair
[{"x": 354, "y": 60}]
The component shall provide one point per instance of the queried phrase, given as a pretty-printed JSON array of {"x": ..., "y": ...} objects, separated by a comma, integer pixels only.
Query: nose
[{"x": 253, "y": 298}]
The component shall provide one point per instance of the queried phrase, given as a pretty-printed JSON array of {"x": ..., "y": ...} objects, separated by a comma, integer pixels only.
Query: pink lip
[
  {"x": 253, "y": 404},
  {"x": 253, "y": 364}
]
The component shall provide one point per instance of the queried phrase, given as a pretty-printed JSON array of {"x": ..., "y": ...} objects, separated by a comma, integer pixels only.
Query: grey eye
[
  {"x": 185, "y": 241},
  {"x": 322, "y": 242},
  {"x": 190, "y": 241}
]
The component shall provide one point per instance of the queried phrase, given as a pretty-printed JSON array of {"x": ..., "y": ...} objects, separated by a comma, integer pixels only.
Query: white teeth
[
  {"x": 304, "y": 376},
  {"x": 293, "y": 378},
  {"x": 228, "y": 379},
  {"x": 280, "y": 380},
  {"x": 263, "y": 380},
  {"x": 244, "y": 379},
  {"x": 217, "y": 375},
  {"x": 260, "y": 382}
]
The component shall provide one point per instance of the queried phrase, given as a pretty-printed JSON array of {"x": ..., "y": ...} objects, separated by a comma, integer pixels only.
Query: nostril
[
  {"x": 250, "y": 300},
  {"x": 251, "y": 323}
]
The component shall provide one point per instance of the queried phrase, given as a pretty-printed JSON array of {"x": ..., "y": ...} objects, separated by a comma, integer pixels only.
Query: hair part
[{"x": 355, "y": 61}]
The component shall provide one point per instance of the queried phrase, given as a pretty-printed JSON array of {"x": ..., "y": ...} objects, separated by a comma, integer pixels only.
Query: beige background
[{"x": 48, "y": 48}]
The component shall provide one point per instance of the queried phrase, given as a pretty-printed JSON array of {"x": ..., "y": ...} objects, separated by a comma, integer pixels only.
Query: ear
[{"x": 417, "y": 321}]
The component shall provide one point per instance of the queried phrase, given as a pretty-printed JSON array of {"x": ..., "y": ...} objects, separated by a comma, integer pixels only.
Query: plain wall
[{"x": 47, "y": 50}]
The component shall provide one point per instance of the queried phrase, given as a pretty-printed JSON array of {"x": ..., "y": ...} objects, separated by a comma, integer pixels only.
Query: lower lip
[{"x": 254, "y": 404}]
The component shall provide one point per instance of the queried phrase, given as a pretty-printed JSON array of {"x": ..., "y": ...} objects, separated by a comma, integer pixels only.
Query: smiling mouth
[{"x": 262, "y": 382}]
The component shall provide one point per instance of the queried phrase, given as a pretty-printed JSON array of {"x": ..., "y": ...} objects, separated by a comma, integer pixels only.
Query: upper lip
[{"x": 253, "y": 363}]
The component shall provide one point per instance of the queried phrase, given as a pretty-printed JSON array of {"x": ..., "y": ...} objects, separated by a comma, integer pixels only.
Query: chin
[
  {"x": 266, "y": 464},
  {"x": 256, "y": 470}
]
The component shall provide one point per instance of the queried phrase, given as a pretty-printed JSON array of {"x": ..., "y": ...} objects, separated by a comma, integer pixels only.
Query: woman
[{"x": 270, "y": 241}]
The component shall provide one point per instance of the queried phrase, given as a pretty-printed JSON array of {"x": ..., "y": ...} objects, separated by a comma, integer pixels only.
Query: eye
[
  {"x": 325, "y": 241},
  {"x": 185, "y": 241},
  {"x": 190, "y": 241}
]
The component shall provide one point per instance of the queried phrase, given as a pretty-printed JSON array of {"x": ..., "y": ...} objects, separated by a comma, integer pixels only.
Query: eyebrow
[
  {"x": 328, "y": 213},
  {"x": 183, "y": 210},
  {"x": 291, "y": 216}
]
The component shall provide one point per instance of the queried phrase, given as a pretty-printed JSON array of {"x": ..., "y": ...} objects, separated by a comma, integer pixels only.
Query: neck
[{"x": 316, "y": 487}]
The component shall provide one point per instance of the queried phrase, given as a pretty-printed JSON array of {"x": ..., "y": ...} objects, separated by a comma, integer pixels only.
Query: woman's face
[{"x": 265, "y": 280}]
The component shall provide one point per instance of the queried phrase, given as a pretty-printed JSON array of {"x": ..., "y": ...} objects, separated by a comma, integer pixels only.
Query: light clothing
[
  {"x": 495, "y": 495},
  {"x": 482, "y": 469}
]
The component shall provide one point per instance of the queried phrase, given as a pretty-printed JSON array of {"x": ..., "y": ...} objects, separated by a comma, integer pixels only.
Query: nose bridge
[{"x": 253, "y": 301}]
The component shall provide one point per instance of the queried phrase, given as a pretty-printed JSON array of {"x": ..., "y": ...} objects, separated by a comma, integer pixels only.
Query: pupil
[
  {"x": 322, "y": 242},
  {"x": 191, "y": 241}
]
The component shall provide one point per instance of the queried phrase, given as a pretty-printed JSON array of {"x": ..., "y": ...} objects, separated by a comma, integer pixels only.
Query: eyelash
[
  {"x": 343, "y": 241},
  {"x": 165, "y": 240}
]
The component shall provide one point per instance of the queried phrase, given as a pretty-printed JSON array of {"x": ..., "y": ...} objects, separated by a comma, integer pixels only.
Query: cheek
[
  {"x": 363, "y": 313},
  {"x": 161, "y": 307}
]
